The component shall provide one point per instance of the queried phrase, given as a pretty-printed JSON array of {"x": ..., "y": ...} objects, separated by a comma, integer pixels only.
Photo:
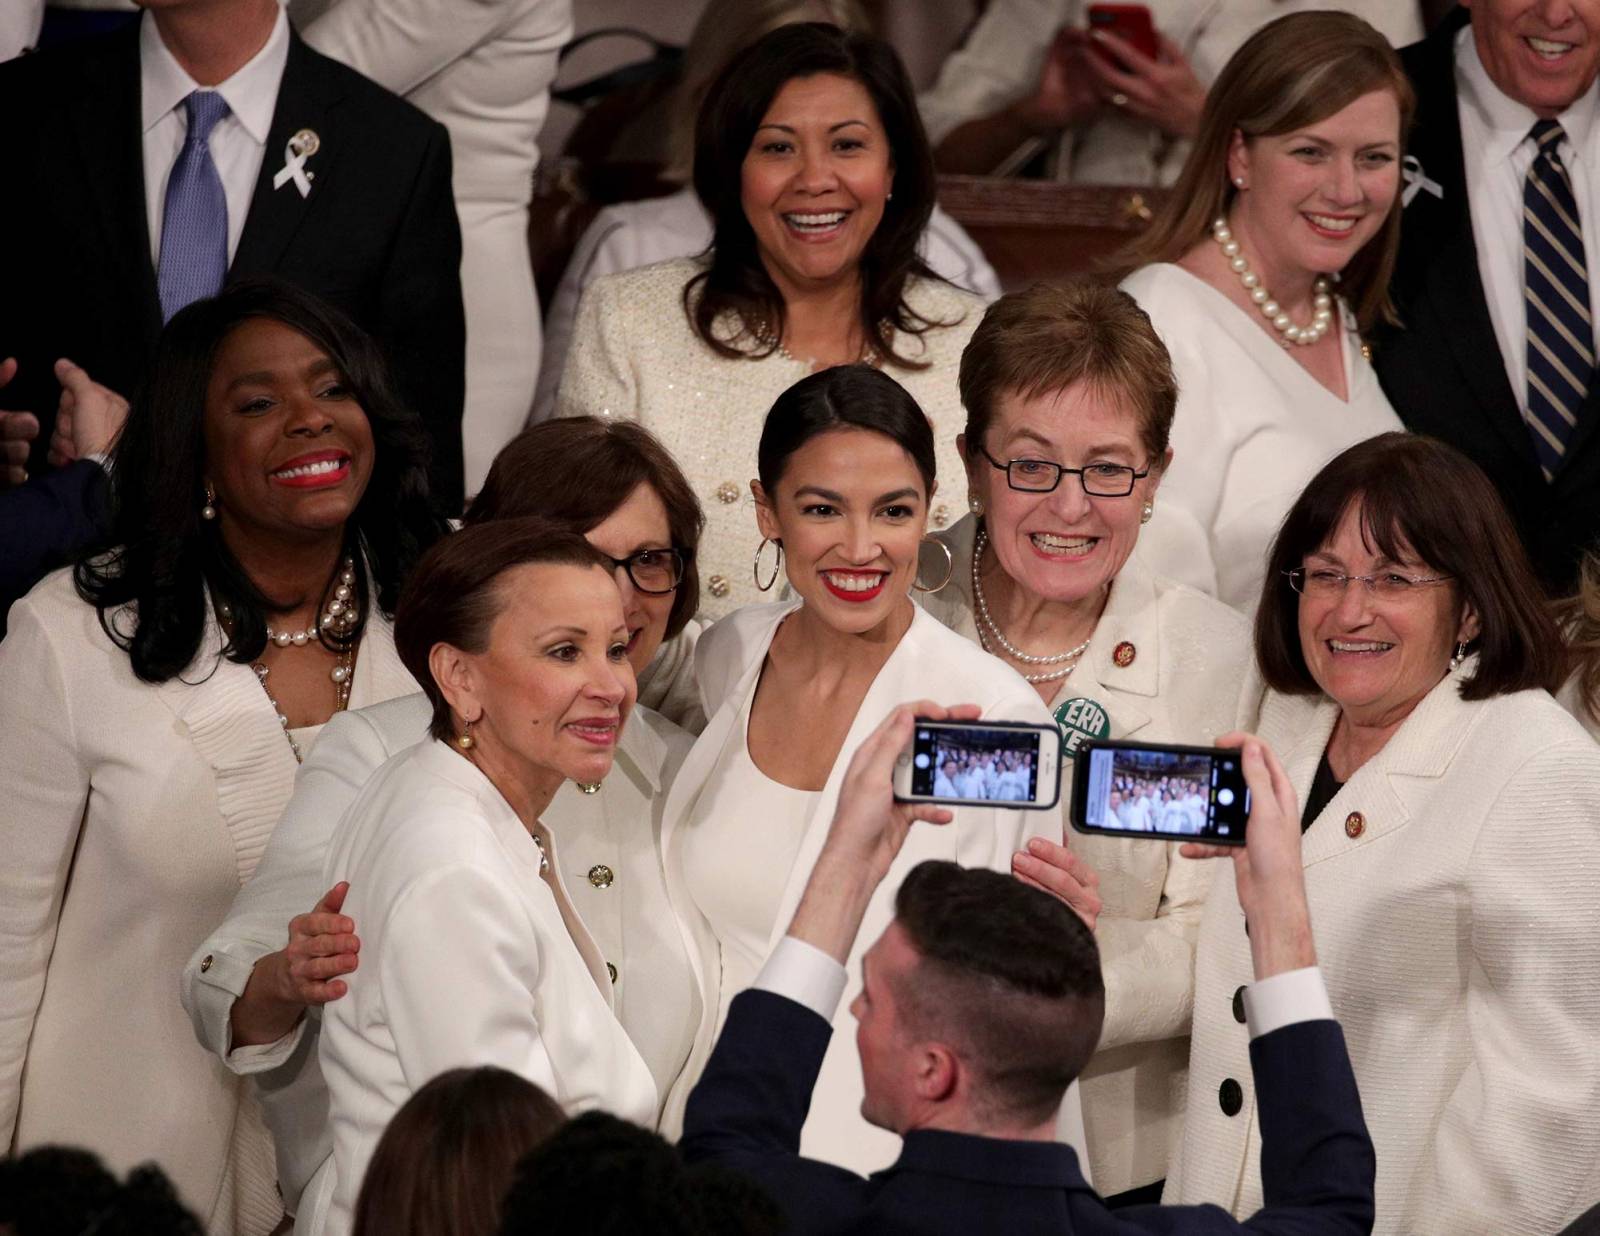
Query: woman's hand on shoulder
[
  {"x": 1053, "y": 868},
  {"x": 322, "y": 946}
]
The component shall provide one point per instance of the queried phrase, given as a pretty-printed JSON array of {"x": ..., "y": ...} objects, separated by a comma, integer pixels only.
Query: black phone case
[{"x": 1080, "y": 791}]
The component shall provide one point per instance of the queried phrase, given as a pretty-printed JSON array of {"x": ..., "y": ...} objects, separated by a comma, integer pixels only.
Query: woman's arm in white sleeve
[
  {"x": 287, "y": 882},
  {"x": 598, "y": 376},
  {"x": 1516, "y": 1146},
  {"x": 459, "y": 976},
  {"x": 46, "y": 787}
]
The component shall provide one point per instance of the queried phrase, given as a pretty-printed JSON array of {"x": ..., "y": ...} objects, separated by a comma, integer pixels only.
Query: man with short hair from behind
[{"x": 980, "y": 1004}]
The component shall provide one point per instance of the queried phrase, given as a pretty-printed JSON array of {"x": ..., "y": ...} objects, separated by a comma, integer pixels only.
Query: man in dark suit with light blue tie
[
  {"x": 207, "y": 142},
  {"x": 980, "y": 1004},
  {"x": 1495, "y": 351}
]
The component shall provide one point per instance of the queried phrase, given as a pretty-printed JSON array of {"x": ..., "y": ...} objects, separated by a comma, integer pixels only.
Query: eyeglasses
[
  {"x": 1040, "y": 476},
  {"x": 655, "y": 571},
  {"x": 1325, "y": 584}
]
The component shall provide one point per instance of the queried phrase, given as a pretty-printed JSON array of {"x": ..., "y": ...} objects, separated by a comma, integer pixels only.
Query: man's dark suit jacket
[
  {"x": 1317, "y": 1162},
  {"x": 42, "y": 522},
  {"x": 377, "y": 235},
  {"x": 1443, "y": 370}
]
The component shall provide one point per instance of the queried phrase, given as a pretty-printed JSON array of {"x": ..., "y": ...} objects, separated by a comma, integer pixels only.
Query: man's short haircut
[{"x": 1008, "y": 976}]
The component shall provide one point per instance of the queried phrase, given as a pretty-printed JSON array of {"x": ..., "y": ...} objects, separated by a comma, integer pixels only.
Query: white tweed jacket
[
  {"x": 634, "y": 354},
  {"x": 1453, "y": 898},
  {"x": 132, "y": 815}
]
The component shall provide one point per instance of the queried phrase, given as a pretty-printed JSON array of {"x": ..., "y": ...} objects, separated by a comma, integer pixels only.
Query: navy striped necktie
[{"x": 1556, "y": 293}]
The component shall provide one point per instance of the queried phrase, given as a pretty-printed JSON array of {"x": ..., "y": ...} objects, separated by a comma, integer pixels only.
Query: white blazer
[
  {"x": 1191, "y": 678},
  {"x": 468, "y": 958},
  {"x": 1452, "y": 884},
  {"x": 610, "y": 862},
  {"x": 132, "y": 815},
  {"x": 930, "y": 662}
]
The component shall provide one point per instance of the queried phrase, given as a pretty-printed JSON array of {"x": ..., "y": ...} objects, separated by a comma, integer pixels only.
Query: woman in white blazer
[
  {"x": 473, "y": 951},
  {"x": 155, "y": 727},
  {"x": 1073, "y": 376},
  {"x": 616, "y": 484},
  {"x": 1305, "y": 124},
  {"x": 1452, "y": 814},
  {"x": 846, "y": 470}
]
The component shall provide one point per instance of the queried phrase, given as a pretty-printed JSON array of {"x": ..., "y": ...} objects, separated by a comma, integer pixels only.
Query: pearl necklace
[
  {"x": 1321, "y": 298},
  {"x": 987, "y": 627},
  {"x": 337, "y": 618},
  {"x": 341, "y": 679}
]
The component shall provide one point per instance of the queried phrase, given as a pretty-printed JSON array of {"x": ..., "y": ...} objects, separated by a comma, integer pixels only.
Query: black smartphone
[
  {"x": 981, "y": 763},
  {"x": 1160, "y": 791}
]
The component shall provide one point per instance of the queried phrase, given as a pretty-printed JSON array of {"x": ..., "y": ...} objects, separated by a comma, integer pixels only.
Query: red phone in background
[{"x": 1131, "y": 23}]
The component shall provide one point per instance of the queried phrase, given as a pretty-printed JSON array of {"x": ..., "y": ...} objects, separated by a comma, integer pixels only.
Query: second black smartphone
[{"x": 1161, "y": 791}]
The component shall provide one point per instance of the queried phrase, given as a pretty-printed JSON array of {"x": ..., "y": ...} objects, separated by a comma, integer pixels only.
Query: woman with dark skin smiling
[
  {"x": 268, "y": 498},
  {"x": 846, "y": 473}
]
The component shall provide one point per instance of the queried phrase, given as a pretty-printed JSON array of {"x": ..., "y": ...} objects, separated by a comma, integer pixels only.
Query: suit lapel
[
  {"x": 106, "y": 124},
  {"x": 307, "y": 100}
]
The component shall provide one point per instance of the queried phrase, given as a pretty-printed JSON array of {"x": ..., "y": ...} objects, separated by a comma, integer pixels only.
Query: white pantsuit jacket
[
  {"x": 931, "y": 662},
  {"x": 1190, "y": 677},
  {"x": 468, "y": 958},
  {"x": 610, "y": 863},
  {"x": 483, "y": 69},
  {"x": 132, "y": 815},
  {"x": 1453, "y": 889}
]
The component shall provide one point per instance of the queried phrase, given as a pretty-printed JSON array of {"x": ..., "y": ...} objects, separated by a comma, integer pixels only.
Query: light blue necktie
[{"x": 194, "y": 224}]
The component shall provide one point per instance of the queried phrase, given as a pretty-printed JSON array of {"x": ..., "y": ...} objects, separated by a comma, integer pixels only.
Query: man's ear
[{"x": 938, "y": 1072}]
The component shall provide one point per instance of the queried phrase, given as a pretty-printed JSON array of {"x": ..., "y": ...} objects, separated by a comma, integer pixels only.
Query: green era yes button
[{"x": 1081, "y": 719}]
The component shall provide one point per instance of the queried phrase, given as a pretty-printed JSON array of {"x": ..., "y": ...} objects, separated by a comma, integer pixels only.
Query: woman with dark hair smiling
[
  {"x": 811, "y": 160},
  {"x": 1452, "y": 852},
  {"x": 268, "y": 499},
  {"x": 846, "y": 469}
]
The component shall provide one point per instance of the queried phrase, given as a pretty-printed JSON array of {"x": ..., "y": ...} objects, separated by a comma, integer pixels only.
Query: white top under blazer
[
  {"x": 468, "y": 958},
  {"x": 930, "y": 661},
  {"x": 132, "y": 815},
  {"x": 1452, "y": 884},
  {"x": 610, "y": 863},
  {"x": 1252, "y": 428},
  {"x": 1165, "y": 664}
]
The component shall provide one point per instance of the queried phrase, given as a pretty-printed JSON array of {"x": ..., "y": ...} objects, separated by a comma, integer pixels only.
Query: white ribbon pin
[
  {"x": 1416, "y": 181},
  {"x": 301, "y": 147}
]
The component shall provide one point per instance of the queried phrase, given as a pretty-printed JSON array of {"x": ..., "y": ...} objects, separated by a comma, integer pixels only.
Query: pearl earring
[
  {"x": 464, "y": 740},
  {"x": 1148, "y": 513},
  {"x": 1459, "y": 657},
  {"x": 975, "y": 505},
  {"x": 1238, "y": 182},
  {"x": 209, "y": 510}
]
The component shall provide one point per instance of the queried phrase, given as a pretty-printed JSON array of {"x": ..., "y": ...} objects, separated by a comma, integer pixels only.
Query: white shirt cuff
[
  {"x": 1285, "y": 1000},
  {"x": 805, "y": 974}
]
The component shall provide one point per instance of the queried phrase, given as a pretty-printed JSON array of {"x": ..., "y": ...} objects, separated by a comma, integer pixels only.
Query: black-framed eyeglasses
[
  {"x": 655, "y": 571},
  {"x": 1041, "y": 476},
  {"x": 1326, "y": 583}
]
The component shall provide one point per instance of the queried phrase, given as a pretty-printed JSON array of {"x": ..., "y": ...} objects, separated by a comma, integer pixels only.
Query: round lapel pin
[{"x": 1081, "y": 719}]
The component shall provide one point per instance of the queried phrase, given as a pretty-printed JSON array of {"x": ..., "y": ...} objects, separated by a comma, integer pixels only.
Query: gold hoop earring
[
  {"x": 1146, "y": 515},
  {"x": 777, "y": 565},
  {"x": 209, "y": 510},
  {"x": 949, "y": 567},
  {"x": 464, "y": 740}
]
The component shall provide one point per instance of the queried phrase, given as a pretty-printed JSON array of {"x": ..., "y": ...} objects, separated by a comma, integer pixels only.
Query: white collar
[
  {"x": 251, "y": 93},
  {"x": 1507, "y": 120}
]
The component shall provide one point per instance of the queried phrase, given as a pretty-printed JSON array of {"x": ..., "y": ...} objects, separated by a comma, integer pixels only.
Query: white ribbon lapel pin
[
  {"x": 1417, "y": 181},
  {"x": 301, "y": 147}
]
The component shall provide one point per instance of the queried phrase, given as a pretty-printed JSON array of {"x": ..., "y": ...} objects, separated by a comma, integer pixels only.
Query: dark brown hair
[
  {"x": 844, "y": 397},
  {"x": 1008, "y": 976},
  {"x": 1579, "y": 618},
  {"x": 1051, "y": 337},
  {"x": 577, "y": 470},
  {"x": 1292, "y": 73},
  {"x": 453, "y": 596},
  {"x": 448, "y": 1156},
  {"x": 736, "y": 282},
  {"x": 1417, "y": 497}
]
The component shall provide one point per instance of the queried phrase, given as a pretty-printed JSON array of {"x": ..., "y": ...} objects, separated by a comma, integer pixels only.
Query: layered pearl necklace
[
  {"x": 1291, "y": 335},
  {"x": 989, "y": 630}
]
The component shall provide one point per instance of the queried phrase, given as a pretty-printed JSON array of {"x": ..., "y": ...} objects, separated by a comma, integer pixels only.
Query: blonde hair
[
  {"x": 726, "y": 28},
  {"x": 1293, "y": 72},
  {"x": 1579, "y": 616}
]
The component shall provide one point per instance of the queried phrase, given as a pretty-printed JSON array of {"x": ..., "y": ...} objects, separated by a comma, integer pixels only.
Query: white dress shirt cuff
[
  {"x": 1285, "y": 1000},
  {"x": 805, "y": 974}
]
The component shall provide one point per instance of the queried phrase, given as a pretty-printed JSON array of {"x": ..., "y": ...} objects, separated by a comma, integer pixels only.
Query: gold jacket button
[
  {"x": 1123, "y": 654},
  {"x": 601, "y": 876},
  {"x": 941, "y": 515},
  {"x": 1354, "y": 825},
  {"x": 205, "y": 963},
  {"x": 612, "y": 971},
  {"x": 717, "y": 585},
  {"x": 727, "y": 493}
]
